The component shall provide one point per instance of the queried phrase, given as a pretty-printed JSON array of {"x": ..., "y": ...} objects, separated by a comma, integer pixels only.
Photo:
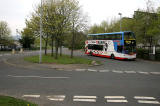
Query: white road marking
[
  {"x": 91, "y": 70},
  {"x": 54, "y": 77},
  {"x": 38, "y": 77},
  {"x": 130, "y": 72},
  {"x": 103, "y": 70},
  {"x": 114, "y": 97},
  {"x": 81, "y": 69},
  {"x": 56, "y": 97},
  {"x": 84, "y": 98},
  {"x": 31, "y": 96},
  {"x": 117, "y": 71},
  {"x": 143, "y": 72},
  {"x": 148, "y": 102},
  {"x": 7, "y": 54},
  {"x": 157, "y": 73},
  {"x": 118, "y": 101},
  {"x": 143, "y": 97},
  {"x": 1, "y": 55},
  {"x": 24, "y": 76},
  {"x": 90, "y": 97}
]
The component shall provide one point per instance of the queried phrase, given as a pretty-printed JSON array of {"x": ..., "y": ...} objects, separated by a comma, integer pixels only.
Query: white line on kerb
[
  {"x": 31, "y": 96},
  {"x": 148, "y": 102},
  {"x": 144, "y": 97},
  {"x": 114, "y": 97},
  {"x": 118, "y": 101}
]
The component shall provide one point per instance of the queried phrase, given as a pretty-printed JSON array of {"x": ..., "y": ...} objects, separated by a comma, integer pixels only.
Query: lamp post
[
  {"x": 120, "y": 21},
  {"x": 40, "y": 52}
]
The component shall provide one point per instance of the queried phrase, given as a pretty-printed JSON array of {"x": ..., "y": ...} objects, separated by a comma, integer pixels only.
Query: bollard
[
  {"x": 13, "y": 51},
  {"x": 21, "y": 50}
]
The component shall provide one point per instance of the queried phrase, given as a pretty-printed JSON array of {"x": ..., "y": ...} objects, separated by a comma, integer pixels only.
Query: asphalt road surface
[{"x": 115, "y": 83}]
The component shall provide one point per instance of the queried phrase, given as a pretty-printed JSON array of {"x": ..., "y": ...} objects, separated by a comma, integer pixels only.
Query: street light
[
  {"x": 40, "y": 52},
  {"x": 120, "y": 21}
]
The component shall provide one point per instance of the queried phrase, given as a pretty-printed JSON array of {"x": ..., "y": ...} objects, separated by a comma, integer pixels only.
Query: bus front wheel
[{"x": 112, "y": 56}]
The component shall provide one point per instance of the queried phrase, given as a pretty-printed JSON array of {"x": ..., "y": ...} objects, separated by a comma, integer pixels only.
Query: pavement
[{"x": 115, "y": 83}]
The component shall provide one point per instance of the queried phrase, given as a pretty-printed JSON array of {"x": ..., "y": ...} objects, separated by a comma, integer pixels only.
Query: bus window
[
  {"x": 95, "y": 47},
  {"x": 94, "y": 37},
  {"x": 129, "y": 36},
  {"x": 90, "y": 46},
  {"x": 119, "y": 49}
]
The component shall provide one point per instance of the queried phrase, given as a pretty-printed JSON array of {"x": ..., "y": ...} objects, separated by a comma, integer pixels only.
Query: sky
[{"x": 14, "y": 12}]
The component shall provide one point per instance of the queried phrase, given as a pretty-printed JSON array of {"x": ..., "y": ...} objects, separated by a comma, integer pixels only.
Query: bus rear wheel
[{"x": 112, "y": 56}]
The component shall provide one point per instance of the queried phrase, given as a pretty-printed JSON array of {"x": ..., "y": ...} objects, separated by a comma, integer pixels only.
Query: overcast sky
[{"x": 14, "y": 12}]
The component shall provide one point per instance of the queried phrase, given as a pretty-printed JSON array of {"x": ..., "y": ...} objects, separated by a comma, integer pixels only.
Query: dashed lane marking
[
  {"x": 91, "y": 70},
  {"x": 146, "y": 73},
  {"x": 143, "y": 97},
  {"x": 84, "y": 98},
  {"x": 38, "y": 77},
  {"x": 156, "y": 73},
  {"x": 113, "y": 97},
  {"x": 91, "y": 97},
  {"x": 103, "y": 71},
  {"x": 31, "y": 96},
  {"x": 148, "y": 102},
  {"x": 80, "y": 69},
  {"x": 130, "y": 72},
  {"x": 56, "y": 97},
  {"x": 117, "y": 71},
  {"x": 116, "y": 99}
]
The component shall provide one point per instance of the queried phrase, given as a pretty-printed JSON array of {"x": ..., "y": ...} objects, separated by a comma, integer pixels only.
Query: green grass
[
  {"x": 10, "y": 101},
  {"x": 65, "y": 59}
]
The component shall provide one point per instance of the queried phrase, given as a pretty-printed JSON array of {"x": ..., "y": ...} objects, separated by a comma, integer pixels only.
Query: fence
[{"x": 149, "y": 53}]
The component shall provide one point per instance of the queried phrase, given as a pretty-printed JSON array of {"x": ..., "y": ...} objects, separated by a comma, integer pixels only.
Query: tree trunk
[
  {"x": 46, "y": 45},
  {"x": 60, "y": 48},
  {"x": 72, "y": 46},
  {"x": 56, "y": 56},
  {"x": 52, "y": 46}
]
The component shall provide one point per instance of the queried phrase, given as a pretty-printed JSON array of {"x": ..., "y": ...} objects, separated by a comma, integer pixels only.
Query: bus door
[{"x": 105, "y": 47}]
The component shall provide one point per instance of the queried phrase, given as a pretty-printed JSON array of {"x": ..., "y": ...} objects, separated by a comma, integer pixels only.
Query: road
[{"x": 115, "y": 83}]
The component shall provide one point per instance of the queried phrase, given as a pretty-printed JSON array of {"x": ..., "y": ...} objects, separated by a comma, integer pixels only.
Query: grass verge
[
  {"x": 64, "y": 59},
  {"x": 10, "y": 101}
]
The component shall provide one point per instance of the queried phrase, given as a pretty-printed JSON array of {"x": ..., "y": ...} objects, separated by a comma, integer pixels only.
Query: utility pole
[
  {"x": 40, "y": 52},
  {"x": 120, "y": 21}
]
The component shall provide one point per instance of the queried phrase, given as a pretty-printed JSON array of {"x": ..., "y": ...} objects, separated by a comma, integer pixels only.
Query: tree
[
  {"x": 27, "y": 38},
  {"x": 5, "y": 32},
  {"x": 78, "y": 22}
]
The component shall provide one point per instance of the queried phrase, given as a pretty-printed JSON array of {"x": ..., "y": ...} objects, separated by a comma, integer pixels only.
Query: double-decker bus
[{"x": 116, "y": 45}]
